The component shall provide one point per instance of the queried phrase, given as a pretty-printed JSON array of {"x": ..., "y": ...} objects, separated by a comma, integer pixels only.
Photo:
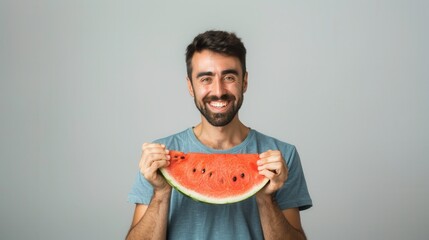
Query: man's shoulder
[
  {"x": 179, "y": 135},
  {"x": 177, "y": 140},
  {"x": 272, "y": 142},
  {"x": 269, "y": 138}
]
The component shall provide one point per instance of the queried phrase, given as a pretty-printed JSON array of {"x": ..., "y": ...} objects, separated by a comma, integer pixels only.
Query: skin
[{"x": 215, "y": 75}]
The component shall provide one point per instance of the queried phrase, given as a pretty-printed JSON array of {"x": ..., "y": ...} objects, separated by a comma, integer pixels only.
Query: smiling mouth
[{"x": 218, "y": 104}]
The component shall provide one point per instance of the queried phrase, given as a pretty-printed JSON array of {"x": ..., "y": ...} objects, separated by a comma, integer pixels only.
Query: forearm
[
  {"x": 153, "y": 224},
  {"x": 274, "y": 223}
]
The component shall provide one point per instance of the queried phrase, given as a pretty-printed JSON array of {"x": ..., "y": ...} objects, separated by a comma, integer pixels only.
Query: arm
[
  {"x": 276, "y": 224},
  {"x": 150, "y": 221}
]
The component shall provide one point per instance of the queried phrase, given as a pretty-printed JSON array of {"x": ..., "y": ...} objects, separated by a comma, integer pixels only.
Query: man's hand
[
  {"x": 154, "y": 156},
  {"x": 272, "y": 165}
]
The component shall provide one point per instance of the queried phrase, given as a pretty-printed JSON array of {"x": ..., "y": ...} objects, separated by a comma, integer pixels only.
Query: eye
[
  {"x": 206, "y": 80},
  {"x": 229, "y": 78}
]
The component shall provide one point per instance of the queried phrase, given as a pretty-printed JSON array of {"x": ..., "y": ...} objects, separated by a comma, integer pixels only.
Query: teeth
[{"x": 218, "y": 104}]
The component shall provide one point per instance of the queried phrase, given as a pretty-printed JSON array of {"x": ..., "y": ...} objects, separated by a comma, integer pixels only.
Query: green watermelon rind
[{"x": 212, "y": 200}]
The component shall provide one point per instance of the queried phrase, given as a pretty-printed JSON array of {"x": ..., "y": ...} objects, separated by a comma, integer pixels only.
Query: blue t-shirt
[{"x": 190, "y": 219}]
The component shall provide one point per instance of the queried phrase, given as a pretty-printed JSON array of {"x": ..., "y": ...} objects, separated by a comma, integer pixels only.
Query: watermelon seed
[
  {"x": 203, "y": 171},
  {"x": 175, "y": 156},
  {"x": 242, "y": 175},
  {"x": 182, "y": 157},
  {"x": 194, "y": 170},
  {"x": 234, "y": 178},
  {"x": 210, "y": 174}
]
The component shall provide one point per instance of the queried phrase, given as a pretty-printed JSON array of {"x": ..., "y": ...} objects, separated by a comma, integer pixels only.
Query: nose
[{"x": 218, "y": 87}]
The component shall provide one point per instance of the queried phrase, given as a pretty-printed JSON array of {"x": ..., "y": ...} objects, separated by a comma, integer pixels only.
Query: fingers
[
  {"x": 151, "y": 171},
  {"x": 271, "y": 160},
  {"x": 272, "y": 165},
  {"x": 151, "y": 158},
  {"x": 154, "y": 156},
  {"x": 267, "y": 173},
  {"x": 154, "y": 147},
  {"x": 270, "y": 155}
]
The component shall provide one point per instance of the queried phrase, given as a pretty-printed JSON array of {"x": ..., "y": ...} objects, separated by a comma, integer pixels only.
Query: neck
[{"x": 221, "y": 138}]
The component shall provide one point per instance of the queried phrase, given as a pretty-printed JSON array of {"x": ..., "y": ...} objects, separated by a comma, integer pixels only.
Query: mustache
[{"x": 224, "y": 97}]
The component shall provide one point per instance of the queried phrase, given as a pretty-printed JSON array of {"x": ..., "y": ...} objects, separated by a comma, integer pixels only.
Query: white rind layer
[{"x": 213, "y": 200}]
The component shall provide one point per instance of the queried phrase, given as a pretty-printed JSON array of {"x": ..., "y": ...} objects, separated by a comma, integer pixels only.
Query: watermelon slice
[{"x": 214, "y": 178}]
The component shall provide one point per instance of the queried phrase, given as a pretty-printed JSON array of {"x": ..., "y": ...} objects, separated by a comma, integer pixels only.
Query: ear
[
  {"x": 190, "y": 87},
  {"x": 245, "y": 83}
]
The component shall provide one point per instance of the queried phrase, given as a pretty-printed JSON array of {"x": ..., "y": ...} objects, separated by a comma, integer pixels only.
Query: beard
[{"x": 219, "y": 119}]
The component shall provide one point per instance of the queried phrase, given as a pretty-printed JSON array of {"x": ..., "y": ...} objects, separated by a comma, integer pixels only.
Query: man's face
[{"x": 217, "y": 86}]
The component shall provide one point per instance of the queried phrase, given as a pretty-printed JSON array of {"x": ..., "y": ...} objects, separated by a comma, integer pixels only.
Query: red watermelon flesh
[{"x": 214, "y": 178}]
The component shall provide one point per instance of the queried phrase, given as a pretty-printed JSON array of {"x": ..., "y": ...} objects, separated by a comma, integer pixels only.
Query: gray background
[{"x": 85, "y": 83}]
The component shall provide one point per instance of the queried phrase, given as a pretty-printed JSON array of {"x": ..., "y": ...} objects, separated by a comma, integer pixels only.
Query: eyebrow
[
  {"x": 200, "y": 74},
  {"x": 230, "y": 71},
  {"x": 224, "y": 72}
]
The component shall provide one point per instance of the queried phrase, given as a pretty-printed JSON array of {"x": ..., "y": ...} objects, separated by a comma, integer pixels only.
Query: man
[{"x": 217, "y": 79}]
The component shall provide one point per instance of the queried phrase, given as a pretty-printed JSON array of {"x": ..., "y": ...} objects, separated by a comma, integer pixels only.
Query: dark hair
[{"x": 217, "y": 41}]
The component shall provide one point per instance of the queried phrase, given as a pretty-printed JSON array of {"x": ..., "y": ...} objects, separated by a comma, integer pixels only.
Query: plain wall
[{"x": 85, "y": 83}]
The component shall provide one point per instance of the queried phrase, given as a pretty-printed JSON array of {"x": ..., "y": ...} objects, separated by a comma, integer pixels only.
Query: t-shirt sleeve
[
  {"x": 294, "y": 193},
  {"x": 141, "y": 191}
]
